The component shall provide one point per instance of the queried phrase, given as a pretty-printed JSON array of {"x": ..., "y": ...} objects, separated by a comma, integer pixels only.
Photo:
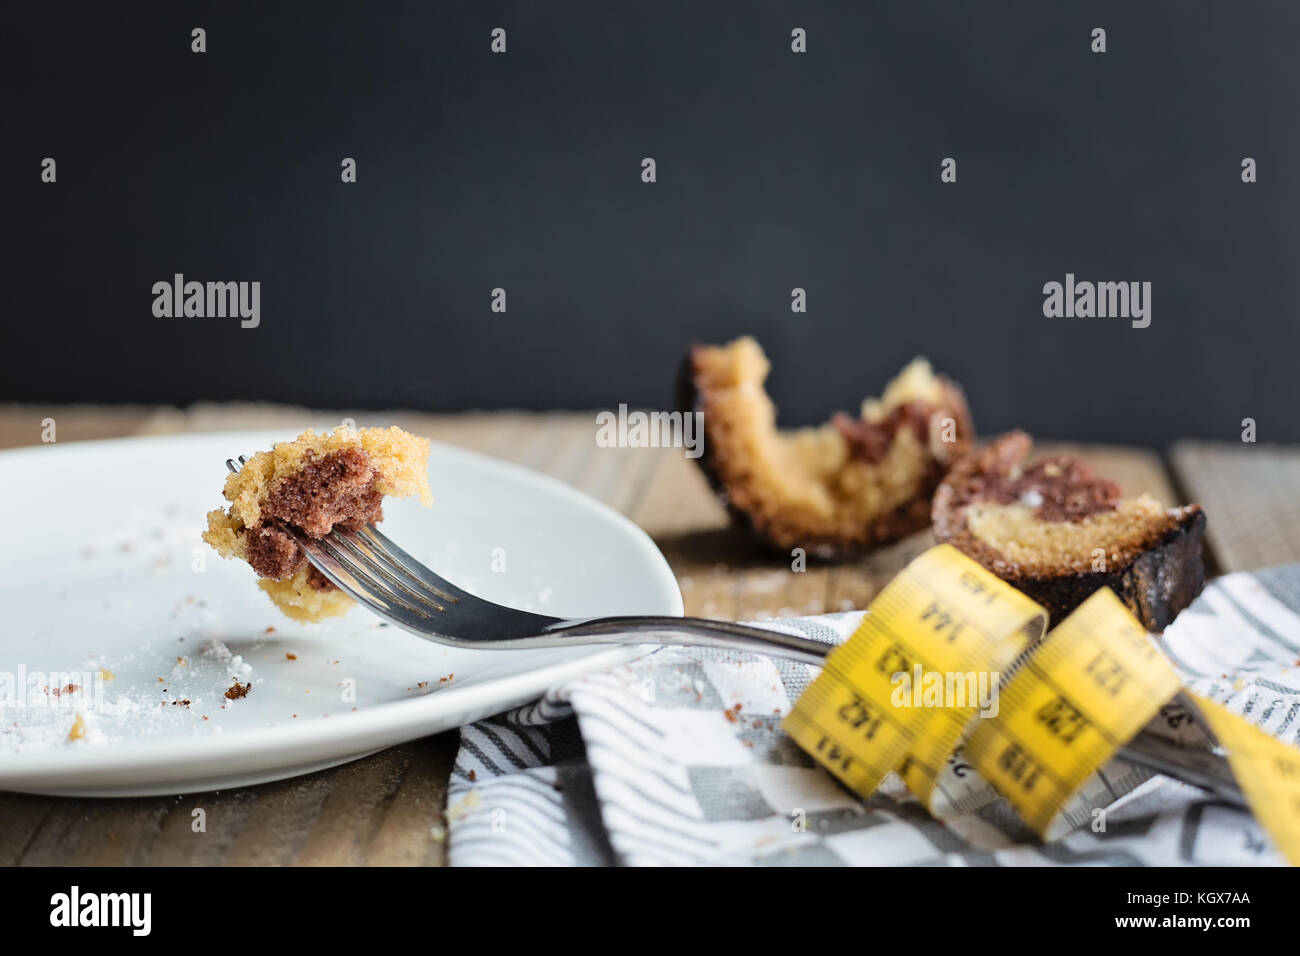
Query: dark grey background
[{"x": 775, "y": 170}]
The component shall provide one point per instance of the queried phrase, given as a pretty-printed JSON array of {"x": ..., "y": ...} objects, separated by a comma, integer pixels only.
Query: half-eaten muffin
[
  {"x": 314, "y": 484},
  {"x": 1058, "y": 532},
  {"x": 835, "y": 489}
]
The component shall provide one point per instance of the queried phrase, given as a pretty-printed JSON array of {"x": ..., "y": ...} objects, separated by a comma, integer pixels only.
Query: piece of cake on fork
[{"x": 313, "y": 484}]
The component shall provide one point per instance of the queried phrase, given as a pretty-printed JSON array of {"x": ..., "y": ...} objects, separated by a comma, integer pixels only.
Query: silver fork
[{"x": 379, "y": 575}]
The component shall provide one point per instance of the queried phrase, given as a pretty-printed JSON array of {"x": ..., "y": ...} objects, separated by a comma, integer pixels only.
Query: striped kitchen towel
[{"x": 678, "y": 758}]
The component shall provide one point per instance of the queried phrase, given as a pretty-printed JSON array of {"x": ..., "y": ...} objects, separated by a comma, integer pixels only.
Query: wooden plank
[
  {"x": 23, "y": 817},
  {"x": 411, "y": 829},
  {"x": 384, "y": 810},
  {"x": 93, "y": 832},
  {"x": 358, "y": 804},
  {"x": 200, "y": 828},
  {"x": 22, "y": 425},
  {"x": 1251, "y": 496},
  {"x": 690, "y": 527}
]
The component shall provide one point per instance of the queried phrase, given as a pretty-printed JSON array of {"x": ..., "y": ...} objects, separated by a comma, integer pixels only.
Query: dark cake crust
[{"x": 1156, "y": 586}]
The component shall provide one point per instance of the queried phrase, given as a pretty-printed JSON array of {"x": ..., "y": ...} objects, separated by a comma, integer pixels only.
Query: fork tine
[
  {"x": 395, "y": 556},
  {"x": 364, "y": 579},
  {"x": 392, "y": 574},
  {"x": 344, "y": 579}
]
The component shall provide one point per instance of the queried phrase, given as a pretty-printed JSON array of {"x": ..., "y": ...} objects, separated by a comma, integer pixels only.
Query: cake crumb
[
  {"x": 290, "y": 657},
  {"x": 465, "y": 806},
  {"x": 78, "y": 731},
  {"x": 238, "y": 690}
]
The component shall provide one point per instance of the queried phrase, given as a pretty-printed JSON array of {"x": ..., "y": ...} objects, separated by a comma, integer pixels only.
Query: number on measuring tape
[
  {"x": 1085, "y": 692},
  {"x": 897, "y": 695}
]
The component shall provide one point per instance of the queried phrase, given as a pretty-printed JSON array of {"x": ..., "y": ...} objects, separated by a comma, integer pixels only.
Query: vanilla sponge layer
[{"x": 1041, "y": 548}]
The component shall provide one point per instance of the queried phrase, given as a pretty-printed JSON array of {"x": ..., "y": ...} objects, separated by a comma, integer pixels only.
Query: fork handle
[
  {"x": 1201, "y": 768},
  {"x": 693, "y": 631}
]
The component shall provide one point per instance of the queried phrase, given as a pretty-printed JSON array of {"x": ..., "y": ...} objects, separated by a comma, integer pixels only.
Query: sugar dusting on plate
[{"x": 87, "y": 707}]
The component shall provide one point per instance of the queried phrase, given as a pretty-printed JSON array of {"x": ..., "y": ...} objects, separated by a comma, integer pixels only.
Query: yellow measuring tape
[{"x": 928, "y": 669}]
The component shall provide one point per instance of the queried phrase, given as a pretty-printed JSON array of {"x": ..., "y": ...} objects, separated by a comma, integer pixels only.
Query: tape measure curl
[{"x": 896, "y": 697}]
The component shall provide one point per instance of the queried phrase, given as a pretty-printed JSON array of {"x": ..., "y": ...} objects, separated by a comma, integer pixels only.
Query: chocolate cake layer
[
  {"x": 1058, "y": 489},
  {"x": 870, "y": 441},
  {"x": 272, "y": 552},
  {"x": 338, "y": 489}
]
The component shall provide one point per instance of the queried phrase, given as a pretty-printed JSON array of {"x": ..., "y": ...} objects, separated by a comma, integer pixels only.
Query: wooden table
[{"x": 388, "y": 808}]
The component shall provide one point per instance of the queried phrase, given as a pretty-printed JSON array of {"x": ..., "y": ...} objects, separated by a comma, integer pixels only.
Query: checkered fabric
[{"x": 678, "y": 759}]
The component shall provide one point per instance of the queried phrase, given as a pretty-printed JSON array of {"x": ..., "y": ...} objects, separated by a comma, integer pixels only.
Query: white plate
[{"x": 101, "y": 566}]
